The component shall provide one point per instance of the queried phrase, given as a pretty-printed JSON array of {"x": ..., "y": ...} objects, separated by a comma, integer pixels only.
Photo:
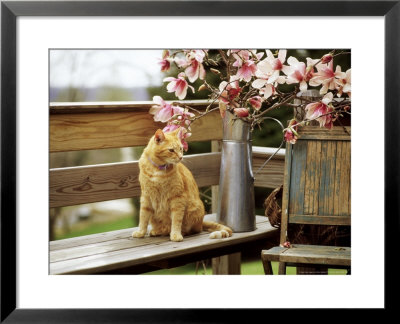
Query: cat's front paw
[
  {"x": 176, "y": 237},
  {"x": 138, "y": 234}
]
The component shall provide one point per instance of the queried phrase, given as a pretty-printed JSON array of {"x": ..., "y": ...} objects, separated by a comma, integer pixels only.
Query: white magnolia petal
[
  {"x": 265, "y": 67},
  {"x": 347, "y": 87},
  {"x": 324, "y": 88},
  {"x": 222, "y": 86},
  {"x": 348, "y": 75},
  {"x": 270, "y": 56},
  {"x": 258, "y": 83},
  {"x": 282, "y": 55},
  {"x": 303, "y": 86},
  {"x": 287, "y": 69},
  {"x": 327, "y": 98},
  {"x": 268, "y": 91},
  {"x": 273, "y": 77},
  {"x": 158, "y": 100},
  {"x": 292, "y": 60},
  {"x": 281, "y": 79}
]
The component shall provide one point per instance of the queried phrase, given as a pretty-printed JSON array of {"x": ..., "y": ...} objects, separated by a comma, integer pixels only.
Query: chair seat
[{"x": 309, "y": 254}]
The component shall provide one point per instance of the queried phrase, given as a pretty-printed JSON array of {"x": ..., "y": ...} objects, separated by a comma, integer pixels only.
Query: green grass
[{"x": 100, "y": 228}]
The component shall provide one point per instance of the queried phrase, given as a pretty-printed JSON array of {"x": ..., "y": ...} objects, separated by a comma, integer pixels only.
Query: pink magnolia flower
[
  {"x": 246, "y": 71},
  {"x": 321, "y": 111},
  {"x": 241, "y": 112},
  {"x": 299, "y": 72},
  {"x": 296, "y": 73},
  {"x": 178, "y": 85},
  {"x": 229, "y": 91},
  {"x": 243, "y": 56},
  {"x": 245, "y": 63},
  {"x": 163, "y": 111},
  {"x": 267, "y": 91},
  {"x": 344, "y": 85},
  {"x": 265, "y": 74},
  {"x": 193, "y": 64},
  {"x": 291, "y": 135},
  {"x": 256, "y": 102},
  {"x": 327, "y": 77},
  {"x": 326, "y": 58},
  {"x": 165, "y": 61},
  {"x": 276, "y": 64},
  {"x": 197, "y": 55},
  {"x": 195, "y": 71}
]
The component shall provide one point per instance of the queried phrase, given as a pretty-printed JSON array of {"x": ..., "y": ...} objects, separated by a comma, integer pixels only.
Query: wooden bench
[{"x": 89, "y": 126}]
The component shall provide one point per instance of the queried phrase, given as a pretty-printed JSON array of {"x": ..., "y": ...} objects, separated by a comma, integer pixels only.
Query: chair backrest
[{"x": 317, "y": 178}]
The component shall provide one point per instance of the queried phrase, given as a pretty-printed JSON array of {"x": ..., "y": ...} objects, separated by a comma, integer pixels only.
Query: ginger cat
[{"x": 170, "y": 197}]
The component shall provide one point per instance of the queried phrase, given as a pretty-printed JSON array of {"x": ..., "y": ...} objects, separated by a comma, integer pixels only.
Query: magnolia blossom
[
  {"x": 321, "y": 111},
  {"x": 246, "y": 66},
  {"x": 344, "y": 85},
  {"x": 229, "y": 91},
  {"x": 195, "y": 69},
  {"x": 163, "y": 111},
  {"x": 275, "y": 64},
  {"x": 246, "y": 71},
  {"x": 265, "y": 74},
  {"x": 178, "y": 85},
  {"x": 299, "y": 73},
  {"x": 242, "y": 56},
  {"x": 256, "y": 102},
  {"x": 165, "y": 61},
  {"x": 291, "y": 135},
  {"x": 326, "y": 58},
  {"x": 327, "y": 77},
  {"x": 241, "y": 112}
]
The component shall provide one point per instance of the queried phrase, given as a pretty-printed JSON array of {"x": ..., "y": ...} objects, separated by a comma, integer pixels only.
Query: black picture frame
[{"x": 11, "y": 10}]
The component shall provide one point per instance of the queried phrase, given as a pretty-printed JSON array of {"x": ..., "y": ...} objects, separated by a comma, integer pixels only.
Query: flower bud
[
  {"x": 241, "y": 112},
  {"x": 215, "y": 71},
  {"x": 256, "y": 102},
  {"x": 326, "y": 58},
  {"x": 202, "y": 87}
]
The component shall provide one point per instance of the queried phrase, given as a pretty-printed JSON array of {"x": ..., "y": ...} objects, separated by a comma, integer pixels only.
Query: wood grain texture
[
  {"x": 86, "y": 184},
  {"x": 321, "y": 133},
  {"x": 298, "y": 177},
  {"x": 100, "y": 130},
  {"x": 116, "y": 106},
  {"x": 78, "y": 185},
  {"x": 319, "y": 220},
  {"x": 286, "y": 193},
  {"x": 317, "y": 254},
  {"x": 125, "y": 251},
  {"x": 310, "y": 254}
]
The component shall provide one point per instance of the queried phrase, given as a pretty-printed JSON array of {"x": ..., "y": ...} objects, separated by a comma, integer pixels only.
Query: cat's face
[{"x": 168, "y": 147}]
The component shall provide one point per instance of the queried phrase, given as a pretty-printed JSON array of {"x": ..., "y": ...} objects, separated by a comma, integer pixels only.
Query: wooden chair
[{"x": 316, "y": 191}]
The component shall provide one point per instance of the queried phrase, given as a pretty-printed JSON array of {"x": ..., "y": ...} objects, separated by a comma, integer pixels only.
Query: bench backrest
[
  {"x": 317, "y": 178},
  {"x": 90, "y": 126}
]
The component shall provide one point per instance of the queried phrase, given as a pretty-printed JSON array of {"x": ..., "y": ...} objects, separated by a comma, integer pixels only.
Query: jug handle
[{"x": 280, "y": 146}]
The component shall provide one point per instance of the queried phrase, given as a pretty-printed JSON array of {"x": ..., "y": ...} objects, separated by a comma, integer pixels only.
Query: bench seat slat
[
  {"x": 310, "y": 254},
  {"x": 125, "y": 252}
]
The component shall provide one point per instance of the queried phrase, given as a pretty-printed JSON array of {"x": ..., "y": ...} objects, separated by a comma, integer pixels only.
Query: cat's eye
[{"x": 171, "y": 150}]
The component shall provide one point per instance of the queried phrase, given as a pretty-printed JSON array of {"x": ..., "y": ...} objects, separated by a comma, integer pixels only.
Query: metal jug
[{"x": 236, "y": 206}]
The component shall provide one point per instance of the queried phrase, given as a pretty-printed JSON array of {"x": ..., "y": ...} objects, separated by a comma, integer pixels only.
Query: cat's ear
[{"x": 159, "y": 136}]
